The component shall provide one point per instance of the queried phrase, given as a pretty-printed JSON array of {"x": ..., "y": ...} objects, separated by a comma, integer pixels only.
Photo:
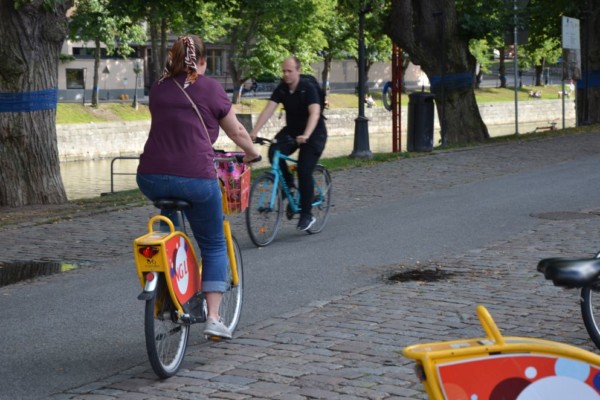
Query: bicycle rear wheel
[
  {"x": 262, "y": 218},
  {"x": 321, "y": 198},
  {"x": 231, "y": 303},
  {"x": 590, "y": 311},
  {"x": 166, "y": 335}
]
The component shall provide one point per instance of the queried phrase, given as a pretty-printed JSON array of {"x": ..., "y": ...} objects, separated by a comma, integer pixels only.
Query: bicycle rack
[{"x": 113, "y": 173}]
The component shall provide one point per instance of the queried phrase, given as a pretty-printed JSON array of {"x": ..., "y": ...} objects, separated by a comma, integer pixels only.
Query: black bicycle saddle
[
  {"x": 573, "y": 273},
  {"x": 171, "y": 204}
]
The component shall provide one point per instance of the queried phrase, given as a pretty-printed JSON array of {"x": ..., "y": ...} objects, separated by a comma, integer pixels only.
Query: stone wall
[{"x": 107, "y": 140}]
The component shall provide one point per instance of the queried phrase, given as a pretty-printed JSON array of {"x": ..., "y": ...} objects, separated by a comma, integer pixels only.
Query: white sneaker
[{"x": 216, "y": 328}]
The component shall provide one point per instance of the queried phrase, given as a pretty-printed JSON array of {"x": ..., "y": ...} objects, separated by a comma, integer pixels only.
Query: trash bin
[{"x": 419, "y": 136}]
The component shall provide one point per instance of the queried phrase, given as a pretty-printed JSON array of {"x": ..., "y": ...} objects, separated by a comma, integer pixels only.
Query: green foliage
[
  {"x": 482, "y": 19},
  {"x": 262, "y": 33},
  {"x": 483, "y": 53},
  {"x": 66, "y": 57},
  {"x": 95, "y": 20}
]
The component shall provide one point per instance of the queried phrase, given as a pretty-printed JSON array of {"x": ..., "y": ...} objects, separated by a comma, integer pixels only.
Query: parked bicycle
[
  {"x": 583, "y": 274},
  {"x": 265, "y": 211},
  {"x": 505, "y": 367},
  {"x": 170, "y": 275}
]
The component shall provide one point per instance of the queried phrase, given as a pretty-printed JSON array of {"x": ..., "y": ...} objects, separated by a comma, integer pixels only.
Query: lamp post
[
  {"x": 361, "y": 126},
  {"x": 137, "y": 68}
]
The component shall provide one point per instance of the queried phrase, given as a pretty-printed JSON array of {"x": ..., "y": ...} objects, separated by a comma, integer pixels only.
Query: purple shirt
[{"x": 177, "y": 144}]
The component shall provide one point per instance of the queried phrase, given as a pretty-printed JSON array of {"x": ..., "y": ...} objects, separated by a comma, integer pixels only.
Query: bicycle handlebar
[
  {"x": 236, "y": 157},
  {"x": 262, "y": 140}
]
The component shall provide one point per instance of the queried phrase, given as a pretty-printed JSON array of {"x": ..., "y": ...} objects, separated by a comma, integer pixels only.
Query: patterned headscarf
[{"x": 189, "y": 60}]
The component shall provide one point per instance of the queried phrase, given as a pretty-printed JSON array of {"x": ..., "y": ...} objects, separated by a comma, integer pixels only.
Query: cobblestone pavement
[{"x": 348, "y": 347}]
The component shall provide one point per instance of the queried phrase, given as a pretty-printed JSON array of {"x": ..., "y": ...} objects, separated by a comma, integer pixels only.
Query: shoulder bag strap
[{"x": 195, "y": 109}]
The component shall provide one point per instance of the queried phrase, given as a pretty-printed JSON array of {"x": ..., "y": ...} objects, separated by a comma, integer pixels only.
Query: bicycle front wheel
[
  {"x": 166, "y": 335},
  {"x": 263, "y": 217},
  {"x": 231, "y": 303},
  {"x": 321, "y": 198},
  {"x": 590, "y": 311}
]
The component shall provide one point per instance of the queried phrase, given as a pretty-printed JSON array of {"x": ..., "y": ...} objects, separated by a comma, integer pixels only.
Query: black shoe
[{"x": 306, "y": 221}]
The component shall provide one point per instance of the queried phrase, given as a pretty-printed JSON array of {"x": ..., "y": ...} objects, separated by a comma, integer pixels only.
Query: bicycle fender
[{"x": 149, "y": 290}]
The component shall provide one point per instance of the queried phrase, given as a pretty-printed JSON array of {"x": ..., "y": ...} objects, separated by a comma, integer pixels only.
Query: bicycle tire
[
  {"x": 321, "y": 198},
  {"x": 591, "y": 312},
  {"x": 166, "y": 335},
  {"x": 262, "y": 221},
  {"x": 232, "y": 301}
]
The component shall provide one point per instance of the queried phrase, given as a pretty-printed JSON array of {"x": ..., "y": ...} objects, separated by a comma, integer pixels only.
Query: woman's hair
[{"x": 183, "y": 57}]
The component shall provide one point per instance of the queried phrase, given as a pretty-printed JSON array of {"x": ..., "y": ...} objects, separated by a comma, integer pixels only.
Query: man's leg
[
  {"x": 307, "y": 160},
  {"x": 286, "y": 147}
]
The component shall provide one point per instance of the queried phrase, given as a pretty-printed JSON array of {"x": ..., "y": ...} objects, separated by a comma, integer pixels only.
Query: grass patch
[{"x": 74, "y": 113}]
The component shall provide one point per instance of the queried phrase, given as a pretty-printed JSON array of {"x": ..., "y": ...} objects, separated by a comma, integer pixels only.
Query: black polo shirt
[{"x": 296, "y": 108}]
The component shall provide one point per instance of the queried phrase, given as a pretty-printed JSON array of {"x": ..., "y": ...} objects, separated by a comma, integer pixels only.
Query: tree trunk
[
  {"x": 405, "y": 64},
  {"x": 429, "y": 32},
  {"x": 502, "y": 68},
  {"x": 31, "y": 37},
  {"x": 234, "y": 72},
  {"x": 325, "y": 73},
  {"x": 539, "y": 71},
  {"x": 155, "y": 67},
  {"x": 96, "y": 90},
  {"x": 588, "y": 86},
  {"x": 164, "y": 44}
]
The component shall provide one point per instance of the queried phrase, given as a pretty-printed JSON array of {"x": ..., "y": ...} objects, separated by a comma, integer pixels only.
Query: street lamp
[
  {"x": 137, "y": 68},
  {"x": 361, "y": 126}
]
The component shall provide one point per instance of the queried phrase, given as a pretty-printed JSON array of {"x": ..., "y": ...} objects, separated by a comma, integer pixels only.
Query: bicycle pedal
[{"x": 215, "y": 338}]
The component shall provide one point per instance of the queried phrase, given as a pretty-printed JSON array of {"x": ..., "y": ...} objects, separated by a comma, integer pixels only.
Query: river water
[{"x": 84, "y": 179}]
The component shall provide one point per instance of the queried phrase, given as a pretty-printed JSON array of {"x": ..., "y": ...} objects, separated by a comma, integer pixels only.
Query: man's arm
[
  {"x": 314, "y": 113},
  {"x": 264, "y": 116}
]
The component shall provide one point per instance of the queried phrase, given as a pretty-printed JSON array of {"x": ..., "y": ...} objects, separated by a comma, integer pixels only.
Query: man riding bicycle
[{"x": 305, "y": 129}]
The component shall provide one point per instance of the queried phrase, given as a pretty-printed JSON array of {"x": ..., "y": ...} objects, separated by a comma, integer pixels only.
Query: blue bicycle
[{"x": 265, "y": 211}]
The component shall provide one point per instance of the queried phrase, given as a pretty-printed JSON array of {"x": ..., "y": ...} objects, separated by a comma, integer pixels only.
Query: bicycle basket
[{"x": 235, "y": 180}]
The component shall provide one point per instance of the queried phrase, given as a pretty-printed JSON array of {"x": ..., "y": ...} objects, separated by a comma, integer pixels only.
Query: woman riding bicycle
[
  {"x": 178, "y": 158},
  {"x": 305, "y": 125}
]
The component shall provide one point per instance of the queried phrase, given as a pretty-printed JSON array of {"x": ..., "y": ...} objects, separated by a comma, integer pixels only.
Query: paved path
[{"x": 348, "y": 347}]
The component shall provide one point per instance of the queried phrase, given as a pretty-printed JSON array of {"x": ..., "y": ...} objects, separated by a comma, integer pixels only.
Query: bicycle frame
[
  {"x": 170, "y": 274},
  {"x": 172, "y": 254},
  {"x": 278, "y": 176},
  {"x": 484, "y": 368}
]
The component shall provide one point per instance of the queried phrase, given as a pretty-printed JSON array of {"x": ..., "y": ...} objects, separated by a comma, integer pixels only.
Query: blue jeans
[{"x": 205, "y": 217}]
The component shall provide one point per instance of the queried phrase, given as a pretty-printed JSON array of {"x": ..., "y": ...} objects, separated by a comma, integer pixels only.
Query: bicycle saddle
[
  {"x": 171, "y": 204},
  {"x": 573, "y": 273}
]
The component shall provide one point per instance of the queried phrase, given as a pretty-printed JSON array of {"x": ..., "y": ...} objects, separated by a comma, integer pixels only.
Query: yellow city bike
[
  {"x": 170, "y": 272},
  {"x": 505, "y": 367}
]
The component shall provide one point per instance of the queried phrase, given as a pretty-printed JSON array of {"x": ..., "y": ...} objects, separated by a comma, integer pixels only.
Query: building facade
[{"x": 125, "y": 78}]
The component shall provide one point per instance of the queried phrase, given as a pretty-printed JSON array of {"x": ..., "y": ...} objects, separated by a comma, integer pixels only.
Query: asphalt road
[{"x": 70, "y": 329}]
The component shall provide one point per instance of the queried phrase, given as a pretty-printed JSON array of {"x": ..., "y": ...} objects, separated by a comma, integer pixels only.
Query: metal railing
[{"x": 113, "y": 173}]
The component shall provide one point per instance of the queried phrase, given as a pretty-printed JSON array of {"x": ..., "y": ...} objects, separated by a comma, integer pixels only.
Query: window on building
[
  {"x": 84, "y": 52},
  {"x": 214, "y": 62},
  {"x": 90, "y": 52},
  {"x": 75, "y": 78}
]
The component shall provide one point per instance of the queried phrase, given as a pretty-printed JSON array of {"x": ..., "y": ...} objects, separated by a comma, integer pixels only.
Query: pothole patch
[
  {"x": 563, "y": 215},
  {"x": 421, "y": 275}
]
